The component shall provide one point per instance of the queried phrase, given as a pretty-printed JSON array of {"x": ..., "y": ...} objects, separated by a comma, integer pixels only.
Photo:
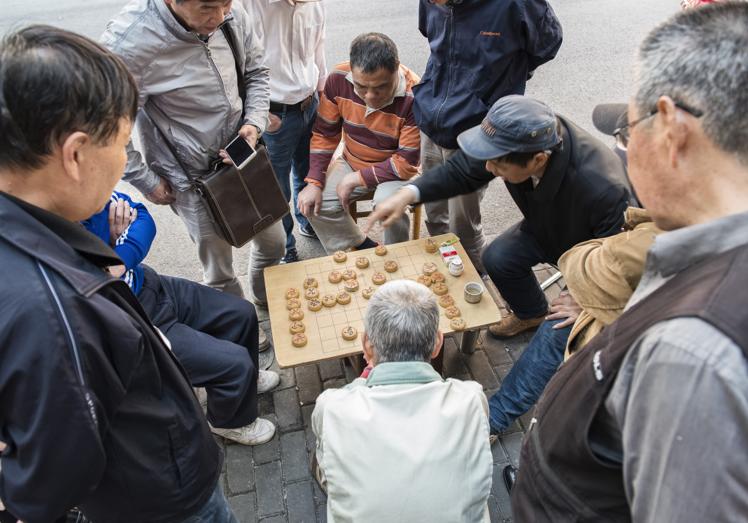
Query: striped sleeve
[
  {"x": 403, "y": 164},
  {"x": 326, "y": 134}
]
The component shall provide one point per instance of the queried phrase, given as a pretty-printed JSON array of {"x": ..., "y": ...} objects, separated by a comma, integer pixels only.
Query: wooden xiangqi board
[{"x": 323, "y": 328}]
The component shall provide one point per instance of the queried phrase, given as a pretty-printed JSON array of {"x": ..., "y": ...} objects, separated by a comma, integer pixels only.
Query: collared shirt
[
  {"x": 677, "y": 415},
  {"x": 382, "y": 144},
  {"x": 294, "y": 39},
  {"x": 404, "y": 445}
]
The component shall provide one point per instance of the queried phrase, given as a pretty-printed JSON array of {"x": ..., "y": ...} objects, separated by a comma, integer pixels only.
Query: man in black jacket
[
  {"x": 569, "y": 186},
  {"x": 481, "y": 50},
  {"x": 95, "y": 411}
]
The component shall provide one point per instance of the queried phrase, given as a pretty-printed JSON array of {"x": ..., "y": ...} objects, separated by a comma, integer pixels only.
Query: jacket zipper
[
  {"x": 217, "y": 72},
  {"x": 73, "y": 345},
  {"x": 449, "y": 68}
]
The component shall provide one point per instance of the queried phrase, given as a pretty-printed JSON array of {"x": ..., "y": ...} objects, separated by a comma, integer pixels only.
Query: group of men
[{"x": 97, "y": 408}]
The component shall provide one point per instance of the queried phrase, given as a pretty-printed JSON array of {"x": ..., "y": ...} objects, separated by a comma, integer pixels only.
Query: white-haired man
[
  {"x": 403, "y": 444},
  {"x": 650, "y": 419}
]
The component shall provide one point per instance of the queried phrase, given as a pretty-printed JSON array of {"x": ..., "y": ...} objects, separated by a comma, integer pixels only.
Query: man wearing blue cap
[{"x": 569, "y": 186}]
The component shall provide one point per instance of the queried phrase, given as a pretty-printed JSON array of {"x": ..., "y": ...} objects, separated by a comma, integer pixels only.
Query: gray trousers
[
  {"x": 460, "y": 214},
  {"x": 335, "y": 228},
  {"x": 216, "y": 255}
]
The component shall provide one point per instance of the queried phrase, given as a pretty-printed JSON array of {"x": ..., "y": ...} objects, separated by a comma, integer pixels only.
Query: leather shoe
[
  {"x": 510, "y": 476},
  {"x": 510, "y": 325}
]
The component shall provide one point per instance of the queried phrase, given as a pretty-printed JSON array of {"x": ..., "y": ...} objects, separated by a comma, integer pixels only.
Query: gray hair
[
  {"x": 402, "y": 321},
  {"x": 699, "y": 58}
]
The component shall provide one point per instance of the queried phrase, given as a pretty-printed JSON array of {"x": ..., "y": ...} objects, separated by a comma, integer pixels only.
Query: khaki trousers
[{"x": 460, "y": 214}]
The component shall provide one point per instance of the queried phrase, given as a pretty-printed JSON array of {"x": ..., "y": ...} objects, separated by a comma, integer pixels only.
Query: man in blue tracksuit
[
  {"x": 213, "y": 334},
  {"x": 481, "y": 50}
]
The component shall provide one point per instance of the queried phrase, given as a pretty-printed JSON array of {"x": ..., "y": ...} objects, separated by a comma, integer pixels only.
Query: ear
[
  {"x": 676, "y": 127},
  {"x": 73, "y": 153},
  {"x": 438, "y": 344},
  {"x": 540, "y": 160},
  {"x": 368, "y": 349}
]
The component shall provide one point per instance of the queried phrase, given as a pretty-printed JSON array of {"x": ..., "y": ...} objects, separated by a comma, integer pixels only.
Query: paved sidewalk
[{"x": 272, "y": 482}]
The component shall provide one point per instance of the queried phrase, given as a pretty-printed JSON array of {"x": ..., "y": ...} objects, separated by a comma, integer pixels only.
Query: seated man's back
[{"x": 404, "y": 444}]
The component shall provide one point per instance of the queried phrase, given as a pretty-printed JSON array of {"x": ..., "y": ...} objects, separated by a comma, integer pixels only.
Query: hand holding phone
[{"x": 240, "y": 152}]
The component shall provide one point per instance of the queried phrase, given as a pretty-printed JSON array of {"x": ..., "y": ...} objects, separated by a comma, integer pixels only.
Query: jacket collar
[
  {"x": 402, "y": 372},
  {"x": 176, "y": 28},
  {"x": 677, "y": 250},
  {"x": 76, "y": 255},
  {"x": 555, "y": 172}
]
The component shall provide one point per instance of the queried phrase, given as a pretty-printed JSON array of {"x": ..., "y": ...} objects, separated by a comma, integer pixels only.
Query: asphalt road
[{"x": 593, "y": 66}]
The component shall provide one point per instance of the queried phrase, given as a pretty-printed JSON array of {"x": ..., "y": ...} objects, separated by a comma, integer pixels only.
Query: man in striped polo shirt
[{"x": 368, "y": 104}]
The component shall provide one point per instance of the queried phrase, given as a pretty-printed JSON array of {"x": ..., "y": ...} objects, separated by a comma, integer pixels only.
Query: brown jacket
[{"x": 602, "y": 273}]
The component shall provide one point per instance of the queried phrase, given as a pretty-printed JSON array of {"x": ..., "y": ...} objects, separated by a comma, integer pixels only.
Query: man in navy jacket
[
  {"x": 95, "y": 411},
  {"x": 481, "y": 50}
]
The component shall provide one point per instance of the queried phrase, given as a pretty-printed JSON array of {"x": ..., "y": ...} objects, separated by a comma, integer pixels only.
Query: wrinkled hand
[
  {"x": 390, "y": 209},
  {"x": 564, "y": 308},
  {"x": 274, "y": 123},
  {"x": 163, "y": 194},
  {"x": 121, "y": 215},
  {"x": 310, "y": 200},
  {"x": 251, "y": 134},
  {"x": 346, "y": 186}
]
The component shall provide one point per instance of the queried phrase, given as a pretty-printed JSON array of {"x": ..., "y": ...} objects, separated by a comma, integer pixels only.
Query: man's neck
[{"x": 25, "y": 187}]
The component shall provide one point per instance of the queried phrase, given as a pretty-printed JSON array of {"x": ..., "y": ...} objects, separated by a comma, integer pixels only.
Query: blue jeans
[
  {"x": 524, "y": 384},
  {"x": 216, "y": 510},
  {"x": 288, "y": 148},
  {"x": 509, "y": 260}
]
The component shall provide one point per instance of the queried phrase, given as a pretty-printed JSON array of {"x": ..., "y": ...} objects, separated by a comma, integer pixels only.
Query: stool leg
[{"x": 417, "y": 221}]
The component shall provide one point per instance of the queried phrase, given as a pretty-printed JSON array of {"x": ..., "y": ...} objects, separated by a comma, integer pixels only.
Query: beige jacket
[{"x": 601, "y": 274}]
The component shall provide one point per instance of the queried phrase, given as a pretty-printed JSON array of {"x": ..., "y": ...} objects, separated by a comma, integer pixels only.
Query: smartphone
[{"x": 240, "y": 152}]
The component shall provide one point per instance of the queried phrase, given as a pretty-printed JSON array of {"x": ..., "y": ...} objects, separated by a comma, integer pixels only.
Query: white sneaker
[
  {"x": 259, "y": 432},
  {"x": 267, "y": 380},
  {"x": 264, "y": 341}
]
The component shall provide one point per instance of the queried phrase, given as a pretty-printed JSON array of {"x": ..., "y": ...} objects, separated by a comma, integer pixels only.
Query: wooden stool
[{"x": 415, "y": 209}]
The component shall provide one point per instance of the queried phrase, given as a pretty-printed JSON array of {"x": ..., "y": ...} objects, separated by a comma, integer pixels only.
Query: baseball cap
[
  {"x": 515, "y": 123},
  {"x": 609, "y": 117}
]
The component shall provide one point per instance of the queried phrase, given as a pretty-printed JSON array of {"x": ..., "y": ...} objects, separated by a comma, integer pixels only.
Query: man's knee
[{"x": 498, "y": 259}]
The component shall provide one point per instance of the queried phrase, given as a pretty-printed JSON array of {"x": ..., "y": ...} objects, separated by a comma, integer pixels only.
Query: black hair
[
  {"x": 373, "y": 51},
  {"x": 52, "y": 83}
]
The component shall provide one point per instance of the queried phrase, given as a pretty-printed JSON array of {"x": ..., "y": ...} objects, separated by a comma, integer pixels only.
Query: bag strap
[{"x": 228, "y": 33}]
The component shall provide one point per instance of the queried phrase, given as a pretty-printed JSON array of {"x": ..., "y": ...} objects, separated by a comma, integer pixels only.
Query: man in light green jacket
[{"x": 403, "y": 445}]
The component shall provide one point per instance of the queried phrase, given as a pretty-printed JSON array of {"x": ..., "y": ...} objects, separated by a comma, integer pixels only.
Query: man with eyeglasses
[
  {"x": 569, "y": 186},
  {"x": 650, "y": 419},
  {"x": 189, "y": 58},
  {"x": 367, "y": 104}
]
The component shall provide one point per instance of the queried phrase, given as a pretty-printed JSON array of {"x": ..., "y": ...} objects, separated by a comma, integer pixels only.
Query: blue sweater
[
  {"x": 481, "y": 50},
  {"x": 133, "y": 245}
]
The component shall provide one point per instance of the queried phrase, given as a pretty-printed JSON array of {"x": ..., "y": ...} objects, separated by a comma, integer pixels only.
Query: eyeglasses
[{"x": 623, "y": 133}]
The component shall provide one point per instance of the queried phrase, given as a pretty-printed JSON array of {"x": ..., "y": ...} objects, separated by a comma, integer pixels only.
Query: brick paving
[{"x": 272, "y": 483}]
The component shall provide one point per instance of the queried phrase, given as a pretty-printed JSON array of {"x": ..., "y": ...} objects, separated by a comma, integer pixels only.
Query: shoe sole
[{"x": 305, "y": 234}]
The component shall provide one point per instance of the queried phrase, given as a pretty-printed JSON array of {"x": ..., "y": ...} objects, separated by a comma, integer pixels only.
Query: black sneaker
[
  {"x": 308, "y": 232},
  {"x": 290, "y": 257}
]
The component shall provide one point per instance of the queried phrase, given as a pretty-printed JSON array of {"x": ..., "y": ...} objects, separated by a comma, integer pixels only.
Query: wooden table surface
[{"x": 323, "y": 328}]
